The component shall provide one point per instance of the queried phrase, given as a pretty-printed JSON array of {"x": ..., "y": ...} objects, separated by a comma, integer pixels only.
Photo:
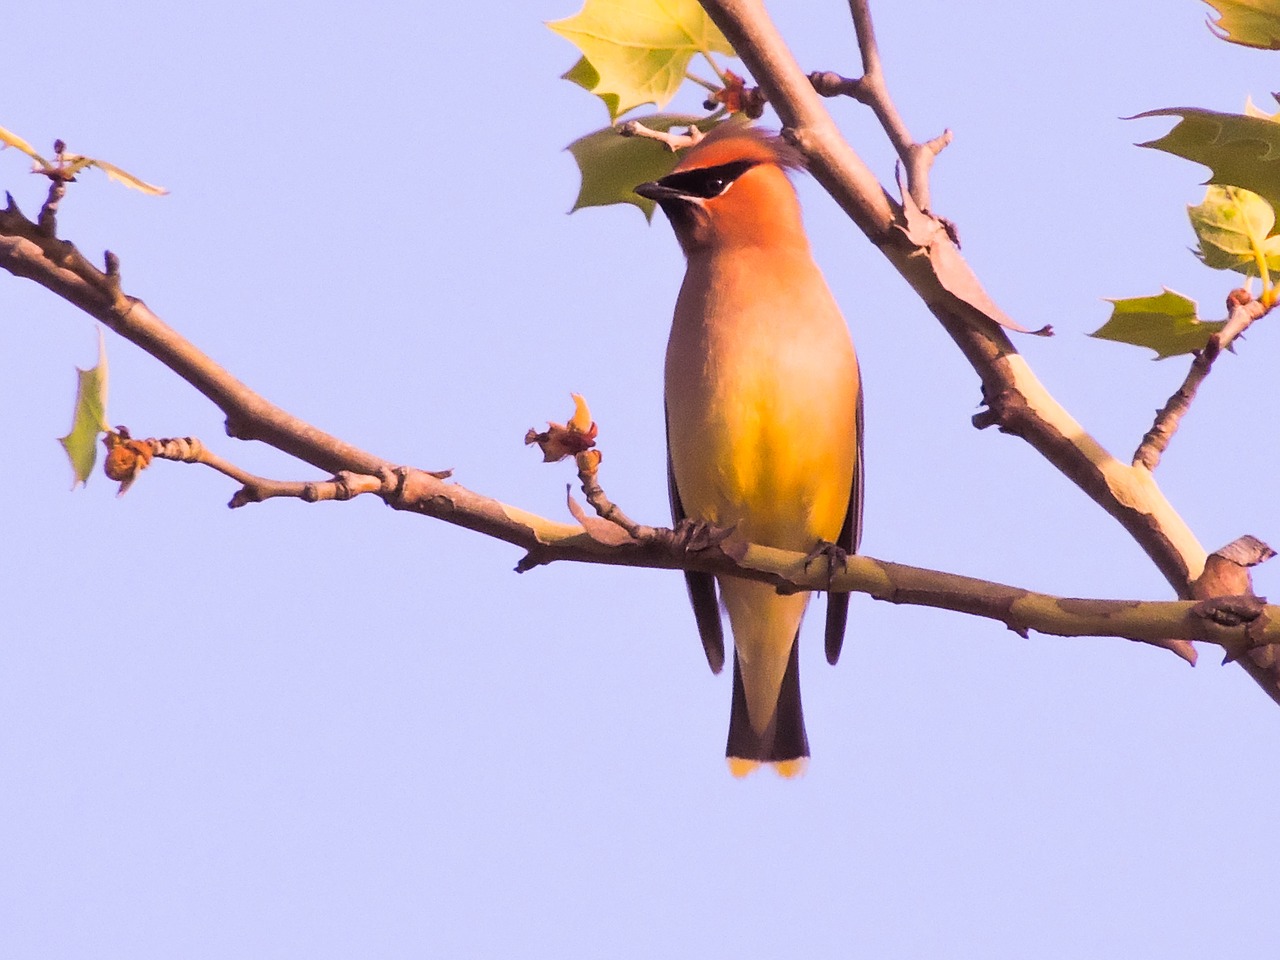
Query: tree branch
[
  {"x": 872, "y": 90},
  {"x": 926, "y": 258},
  {"x": 254, "y": 489},
  {"x": 1017, "y": 402},
  {"x": 1251, "y": 632},
  {"x": 1243, "y": 310},
  {"x": 26, "y": 251}
]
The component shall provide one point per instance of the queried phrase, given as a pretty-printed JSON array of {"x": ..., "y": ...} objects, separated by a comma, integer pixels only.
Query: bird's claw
[
  {"x": 837, "y": 558},
  {"x": 691, "y": 535}
]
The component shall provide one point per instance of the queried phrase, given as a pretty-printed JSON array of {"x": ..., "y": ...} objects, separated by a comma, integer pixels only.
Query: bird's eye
[{"x": 716, "y": 186}]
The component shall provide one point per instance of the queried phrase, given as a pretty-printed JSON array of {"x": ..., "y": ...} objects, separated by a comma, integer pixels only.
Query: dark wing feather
[
  {"x": 702, "y": 586},
  {"x": 850, "y": 537}
]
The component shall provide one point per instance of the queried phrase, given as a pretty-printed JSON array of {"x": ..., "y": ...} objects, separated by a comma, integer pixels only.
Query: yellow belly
[{"x": 761, "y": 394}]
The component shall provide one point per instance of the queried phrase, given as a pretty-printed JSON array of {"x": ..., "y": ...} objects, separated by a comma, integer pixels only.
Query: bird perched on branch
[{"x": 764, "y": 419}]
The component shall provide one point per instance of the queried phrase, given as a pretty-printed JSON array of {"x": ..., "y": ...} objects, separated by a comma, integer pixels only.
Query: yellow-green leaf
[
  {"x": 1232, "y": 225},
  {"x": 1166, "y": 323},
  {"x": 15, "y": 141},
  {"x": 640, "y": 49},
  {"x": 1251, "y": 109},
  {"x": 1250, "y": 23},
  {"x": 612, "y": 165},
  {"x": 75, "y": 163},
  {"x": 89, "y": 418},
  {"x": 128, "y": 179},
  {"x": 67, "y": 165},
  {"x": 1241, "y": 151}
]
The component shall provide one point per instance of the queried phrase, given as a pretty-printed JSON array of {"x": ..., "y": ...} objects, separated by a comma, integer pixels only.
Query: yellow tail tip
[
  {"x": 787, "y": 769},
  {"x": 741, "y": 768},
  {"x": 790, "y": 769}
]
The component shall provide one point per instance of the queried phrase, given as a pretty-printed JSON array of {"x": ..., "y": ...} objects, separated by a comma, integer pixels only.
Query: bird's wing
[
  {"x": 702, "y": 586},
  {"x": 850, "y": 537}
]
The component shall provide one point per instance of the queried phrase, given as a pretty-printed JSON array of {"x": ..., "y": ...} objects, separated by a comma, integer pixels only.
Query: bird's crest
[{"x": 734, "y": 142}]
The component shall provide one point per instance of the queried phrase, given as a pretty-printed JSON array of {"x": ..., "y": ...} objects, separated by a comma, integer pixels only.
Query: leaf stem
[
  {"x": 1260, "y": 261},
  {"x": 705, "y": 84},
  {"x": 706, "y": 55}
]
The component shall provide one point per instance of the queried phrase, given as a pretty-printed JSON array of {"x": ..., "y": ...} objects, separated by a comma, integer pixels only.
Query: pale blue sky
[{"x": 335, "y": 731}]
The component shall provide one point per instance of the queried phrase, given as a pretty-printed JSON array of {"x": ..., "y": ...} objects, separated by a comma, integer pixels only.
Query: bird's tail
[{"x": 782, "y": 743}]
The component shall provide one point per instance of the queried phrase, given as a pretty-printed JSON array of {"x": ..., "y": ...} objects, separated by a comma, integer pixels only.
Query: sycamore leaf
[
  {"x": 65, "y": 166},
  {"x": 584, "y": 75},
  {"x": 89, "y": 418},
  {"x": 1166, "y": 323},
  {"x": 15, "y": 141},
  {"x": 612, "y": 165},
  {"x": 1241, "y": 151},
  {"x": 78, "y": 163},
  {"x": 1232, "y": 226},
  {"x": 1251, "y": 109},
  {"x": 640, "y": 49},
  {"x": 1250, "y": 23}
]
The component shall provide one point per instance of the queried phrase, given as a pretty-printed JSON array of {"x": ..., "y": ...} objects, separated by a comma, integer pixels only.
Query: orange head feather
[{"x": 731, "y": 190}]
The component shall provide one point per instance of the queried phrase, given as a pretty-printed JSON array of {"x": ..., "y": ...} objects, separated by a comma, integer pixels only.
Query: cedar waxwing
[{"x": 764, "y": 418}]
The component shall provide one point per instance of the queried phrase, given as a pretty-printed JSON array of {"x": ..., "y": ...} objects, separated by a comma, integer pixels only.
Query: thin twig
[
  {"x": 47, "y": 222},
  {"x": 673, "y": 141},
  {"x": 589, "y": 474},
  {"x": 872, "y": 90},
  {"x": 254, "y": 489},
  {"x": 1244, "y": 310}
]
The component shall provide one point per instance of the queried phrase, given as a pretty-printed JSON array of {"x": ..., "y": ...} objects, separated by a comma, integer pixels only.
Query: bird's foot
[
  {"x": 692, "y": 535},
  {"x": 837, "y": 558}
]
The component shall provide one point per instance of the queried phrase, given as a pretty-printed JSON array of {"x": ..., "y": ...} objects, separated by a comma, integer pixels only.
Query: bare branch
[
  {"x": 872, "y": 90},
  {"x": 254, "y": 489},
  {"x": 26, "y": 251},
  {"x": 545, "y": 540},
  {"x": 1243, "y": 311},
  {"x": 1018, "y": 404}
]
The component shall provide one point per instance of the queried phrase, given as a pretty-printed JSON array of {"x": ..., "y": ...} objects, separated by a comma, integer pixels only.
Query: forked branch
[
  {"x": 1017, "y": 402},
  {"x": 58, "y": 266},
  {"x": 925, "y": 256}
]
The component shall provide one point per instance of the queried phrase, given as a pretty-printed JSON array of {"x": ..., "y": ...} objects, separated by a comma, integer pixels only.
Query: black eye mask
[{"x": 707, "y": 182}]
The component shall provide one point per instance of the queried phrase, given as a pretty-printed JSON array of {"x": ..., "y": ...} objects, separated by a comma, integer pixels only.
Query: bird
[{"x": 763, "y": 403}]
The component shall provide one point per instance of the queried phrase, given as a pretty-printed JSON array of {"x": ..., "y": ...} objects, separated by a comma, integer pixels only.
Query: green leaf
[
  {"x": 1166, "y": 323},
  {"x": 1232, "y": 226},
  {"x": 612, "y": 165},
  {"x": 584, "y": 75},
  {"x": 640, "y": 49},
  {"x": 1241, "y": 151},
  {"x": 1250, "y": 23},
  {"x": 89, "y": 418}
]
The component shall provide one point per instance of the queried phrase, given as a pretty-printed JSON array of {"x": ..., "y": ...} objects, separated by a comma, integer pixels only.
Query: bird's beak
[{"x": 657, "y": 190}]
